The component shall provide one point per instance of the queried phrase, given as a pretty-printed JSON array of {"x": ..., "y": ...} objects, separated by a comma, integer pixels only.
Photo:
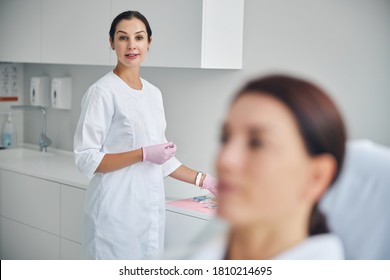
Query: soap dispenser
[
  {"x": 40, "y": 91},
  {"x": 8, "y": 132},
  {"x": 61, "y": 93}
]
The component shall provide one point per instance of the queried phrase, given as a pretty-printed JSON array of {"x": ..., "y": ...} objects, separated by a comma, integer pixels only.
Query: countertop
[
  {"x": 53, "y": 165},
  {"x": 58, "y": 166},
  {"x": 190, "y": 207}
]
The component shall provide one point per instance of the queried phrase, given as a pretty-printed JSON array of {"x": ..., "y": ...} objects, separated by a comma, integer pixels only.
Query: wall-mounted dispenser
[
  {"x": 40, "y": 91},
  {"x": 61, "y": 93}
]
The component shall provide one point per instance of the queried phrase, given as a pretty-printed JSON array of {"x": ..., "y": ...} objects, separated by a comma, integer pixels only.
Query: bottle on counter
[{"x": 8, "y": 132}]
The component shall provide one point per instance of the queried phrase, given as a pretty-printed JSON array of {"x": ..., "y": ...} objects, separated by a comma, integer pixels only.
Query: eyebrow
[
  {"x": 252, "y": 129},
  {"x": 134, "y": 33},
  {"x": 257, "y": 130}
]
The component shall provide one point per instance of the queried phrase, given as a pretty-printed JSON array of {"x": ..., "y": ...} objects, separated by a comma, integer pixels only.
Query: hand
[
  {"x": 158, "y": 154},
  {"x": 210, "y": 184}
]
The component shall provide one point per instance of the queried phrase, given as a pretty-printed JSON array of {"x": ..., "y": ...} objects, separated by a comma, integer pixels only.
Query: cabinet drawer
[
  {"x": 24, "y": 242},
  {"x": 72, "y": 203},
  {"x": 31, "y": 201},
  {"x": 70, "y": 250},
  {"x": 181, "y": 230}
]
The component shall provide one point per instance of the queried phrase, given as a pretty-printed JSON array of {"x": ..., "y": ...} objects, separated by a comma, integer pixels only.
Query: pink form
[{"x": 190, "y": 204}]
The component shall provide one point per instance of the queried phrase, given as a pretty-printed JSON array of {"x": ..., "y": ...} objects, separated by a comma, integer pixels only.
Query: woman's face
[
  {"x": 263, "y": 166},
  {"x": 131, "y": 42}
]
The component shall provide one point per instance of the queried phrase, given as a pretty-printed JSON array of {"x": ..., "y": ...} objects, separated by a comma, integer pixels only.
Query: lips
[
  {"x": 131, "y": 55},
  {"x": 224, "y": 187}
]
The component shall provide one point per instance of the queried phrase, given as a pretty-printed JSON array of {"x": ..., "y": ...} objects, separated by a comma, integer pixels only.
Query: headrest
[{"x": 357, "y": 206}]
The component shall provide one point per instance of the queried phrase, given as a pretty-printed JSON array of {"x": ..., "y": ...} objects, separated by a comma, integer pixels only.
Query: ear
[
  {"x": 323, "y": 169},
  {"x": 111, "y": 43},
  {"x": 151, "y": 39}
]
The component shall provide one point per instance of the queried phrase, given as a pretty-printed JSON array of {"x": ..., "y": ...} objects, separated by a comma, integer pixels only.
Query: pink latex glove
[
  {"x": 210, "y": 184},
  {"x": 158, "y": 154}
]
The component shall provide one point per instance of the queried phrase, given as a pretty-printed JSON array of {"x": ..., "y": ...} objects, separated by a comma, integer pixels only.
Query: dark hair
[
  {"x": 129, "y": 15},
  {"x": 320, "y": 123}
]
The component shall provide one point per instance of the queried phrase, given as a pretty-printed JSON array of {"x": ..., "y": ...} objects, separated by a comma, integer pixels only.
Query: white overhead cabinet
[
  {"x": 176, "y": 27},
  {"x": 191, "y": 33},
  {"x": 75, "y": 32},
  {"x": 20, "y": 30},
  {"x": 186, "y": 33}
]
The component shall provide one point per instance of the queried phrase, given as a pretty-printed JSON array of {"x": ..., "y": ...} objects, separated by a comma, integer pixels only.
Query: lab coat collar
[{"x": 323, "y": 246}]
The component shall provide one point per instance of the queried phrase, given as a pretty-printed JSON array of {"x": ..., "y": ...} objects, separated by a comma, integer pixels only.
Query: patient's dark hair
[{"x": 320, "y": 123}]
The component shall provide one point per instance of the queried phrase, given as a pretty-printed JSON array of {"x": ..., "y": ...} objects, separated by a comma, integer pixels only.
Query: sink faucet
[{"x": 44, "y": 141}]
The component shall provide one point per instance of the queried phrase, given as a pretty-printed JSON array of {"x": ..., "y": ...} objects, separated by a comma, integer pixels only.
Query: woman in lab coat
[
  {"x": 120, "y": 145},
  {"x": 282, "y": 146}
]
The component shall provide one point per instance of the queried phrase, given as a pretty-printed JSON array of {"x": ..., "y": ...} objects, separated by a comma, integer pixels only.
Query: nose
[
  {"x": 131, "y": 45},
  {"x": 230, "y": 158}
]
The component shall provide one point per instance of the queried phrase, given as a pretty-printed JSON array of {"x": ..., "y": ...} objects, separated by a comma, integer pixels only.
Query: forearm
[
  {"x": 186, "y": 174},
  {"x": 112, "y": 162}
]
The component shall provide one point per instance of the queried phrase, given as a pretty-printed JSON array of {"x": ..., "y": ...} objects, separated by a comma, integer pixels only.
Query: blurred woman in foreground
[{"x": 282, "y": 146}]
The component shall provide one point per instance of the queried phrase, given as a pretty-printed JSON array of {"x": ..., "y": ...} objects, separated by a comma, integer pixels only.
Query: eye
[
  {"x": 139, "y": 38},
  {"x": 224, "y": 138},
  {"x": 122, "y": 38},
  {"x": 255, "y": 143}
]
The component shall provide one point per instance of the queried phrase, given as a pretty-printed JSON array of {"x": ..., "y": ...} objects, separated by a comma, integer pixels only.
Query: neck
[
  {"x": 265, "y": 241},
  {"x": 129, "y": 75}
]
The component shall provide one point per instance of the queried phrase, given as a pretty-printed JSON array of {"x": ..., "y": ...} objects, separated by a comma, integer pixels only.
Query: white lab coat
[
  {"x": 318, "y": 247},
  {"x": 212, "y": 244},
  {"x": 124, "y": 209}
]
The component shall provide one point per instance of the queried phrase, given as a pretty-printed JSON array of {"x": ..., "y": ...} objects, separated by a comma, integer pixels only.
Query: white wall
[{"x": 341, "y": 45}]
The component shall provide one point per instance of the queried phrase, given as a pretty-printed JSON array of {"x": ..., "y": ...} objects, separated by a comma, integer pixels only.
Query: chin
[
  {"x": 130, "y": 65},
  {"x": 230, "y": 214}
]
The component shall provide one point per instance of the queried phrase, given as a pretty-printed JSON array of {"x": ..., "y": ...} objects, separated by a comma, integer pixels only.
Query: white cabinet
[
  {"x": 27, "y": 243},
  {"x": 31, "y": 201},
  {"x": 70, "y": 250},
  {"x": 75, "y": 32},
  {"x": 191, "y": 33},
  {"x": 40, "y": 219},
  {"x": 30, "y": 210},
  {"x": 181, "y": 230},
  {"x": 186, "y": 33},
  {"x": 72, "y": 214},
  {"x": 20, "y": 30},
  {"x": 1, "y": 224},
  {"x": 176, "y": 30}
]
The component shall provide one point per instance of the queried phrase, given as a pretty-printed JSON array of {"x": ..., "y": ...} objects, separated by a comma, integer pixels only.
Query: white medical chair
[{"x": 358, "y": 205}]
